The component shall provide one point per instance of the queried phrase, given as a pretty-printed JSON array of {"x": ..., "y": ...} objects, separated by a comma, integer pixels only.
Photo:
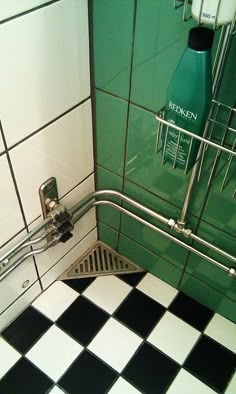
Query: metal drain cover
[{"x": 100, "y": 260}]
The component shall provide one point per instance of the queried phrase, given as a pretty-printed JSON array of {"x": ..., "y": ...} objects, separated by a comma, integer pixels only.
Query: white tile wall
[
  {"x": 11, "y": 287},
  {"x": 19, "y": 305},
  {"x": 13, "y": 7},
  {"x": 63, "y": 150},
  {"x": 47, "y": 259},
  {"x": 10, "y": 215},
  {"x": 44, "y": 72},
  {"x": 1, "y": 145},
  {"x": 44, "y": 68}
]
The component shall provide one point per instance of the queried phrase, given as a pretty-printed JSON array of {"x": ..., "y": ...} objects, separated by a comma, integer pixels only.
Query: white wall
[{"x": 46, "y": 130}]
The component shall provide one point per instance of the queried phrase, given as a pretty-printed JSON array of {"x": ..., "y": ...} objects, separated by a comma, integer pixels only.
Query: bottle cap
[{"x": 200, "y": 38}]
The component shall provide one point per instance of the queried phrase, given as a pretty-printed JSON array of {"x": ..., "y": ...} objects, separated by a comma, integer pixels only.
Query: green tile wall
[{"x": 137, "y": 45}]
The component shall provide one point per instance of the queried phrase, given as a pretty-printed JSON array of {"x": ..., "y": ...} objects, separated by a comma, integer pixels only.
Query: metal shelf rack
[{"x": 220, "y": 137}]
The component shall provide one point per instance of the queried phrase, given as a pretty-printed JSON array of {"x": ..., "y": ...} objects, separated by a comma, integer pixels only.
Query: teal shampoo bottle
[{"x": 188, "y": 100}]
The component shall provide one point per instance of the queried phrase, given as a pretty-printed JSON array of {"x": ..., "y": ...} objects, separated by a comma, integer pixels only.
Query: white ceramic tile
[
  {"x": 223, "y": 331},
  {"x": 63, "y": 149},
  {"x": 231, "y": 389},
  {"x": 9, "y": 357},
  {"x": 69, "y": 259},
  {"x": 11, "y": 220},
  {"x": 1, "y": 145},
  {"x": 157, "y": 289},
  {"x": 15, "y": 7},
  {"x": 56, "y": 390},
  {"x": 122, "y": 386},
  {"x": 12, "y": 286},
  {"x": 174, "y": 337},
  {"x": 115, "y": 344},
  {"x": 107, "y": 292},
  {"x": 186, "y": 383},
  {"x": 54, "y": 352},
  {"x": 19, "y": 305},
  {"x": 55, "y": 300},
  {"x": 48, "y": 259},
  {"x": 51, "y": 51}
]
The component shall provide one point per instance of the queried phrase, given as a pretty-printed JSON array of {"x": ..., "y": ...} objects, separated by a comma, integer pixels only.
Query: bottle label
[
  {"x": 179, "y": 148},
  {"x": 182, "y": 112}
]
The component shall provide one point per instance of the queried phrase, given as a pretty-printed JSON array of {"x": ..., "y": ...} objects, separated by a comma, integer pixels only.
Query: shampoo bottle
[{"x": 188, "y": 99}]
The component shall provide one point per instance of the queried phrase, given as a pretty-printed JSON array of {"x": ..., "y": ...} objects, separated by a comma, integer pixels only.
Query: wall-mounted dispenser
[{"x": 214, "y": 12}]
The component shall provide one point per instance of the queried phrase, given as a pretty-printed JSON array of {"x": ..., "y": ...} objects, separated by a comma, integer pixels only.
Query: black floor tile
[
  {"x": 82, "y": 320},
  {"x": 140, "y": 313},
  {"x": 151, "y": 371},
  {"x": 25, "y": 378},
  {"x": 28, "y": 327},
  {"x": 79, "y": 284},
  {"x": 88, "y": 375},
  {"x": 191, "y": 311},
  {"x": 132, "y": 279},
  {"x": 211, "y": 363}
]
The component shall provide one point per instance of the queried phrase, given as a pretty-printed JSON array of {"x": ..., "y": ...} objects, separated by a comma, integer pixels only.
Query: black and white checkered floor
[{"x": 118, "y": 335}]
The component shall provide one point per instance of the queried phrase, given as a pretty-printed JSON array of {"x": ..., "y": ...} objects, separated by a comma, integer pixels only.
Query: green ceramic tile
[
  {"x": 148, "y": 238},
  {"x": 107, "y": 235},
  {"x": 108, "y": 180},
  {"x": 149, "y": 261},
  {"x": 228, "y": 84},
  {"x": 111, "y": 115},
  {"x": 160, "y": 38},
  {"x": 112, "y": 37},
  {"x": 207, "y": 272},
  {"x": 220, "y": 206},
  {"x": 144, "y": 167},
  {"x": 209, "y": 297}
]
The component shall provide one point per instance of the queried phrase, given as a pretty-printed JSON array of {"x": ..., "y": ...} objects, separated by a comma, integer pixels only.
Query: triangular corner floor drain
[{"x": 100, "y": 260}]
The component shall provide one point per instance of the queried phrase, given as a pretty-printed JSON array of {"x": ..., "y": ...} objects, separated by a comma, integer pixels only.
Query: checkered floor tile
[{"x": 121, "y": 334}]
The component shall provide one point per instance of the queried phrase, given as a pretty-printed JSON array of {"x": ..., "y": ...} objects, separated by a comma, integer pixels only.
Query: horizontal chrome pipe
[
  {"x": 81, "y": 208},
  {"x": 153, "y": 227},
  {"x": 129, "y": 200},
  {"x": 25, "y": 239},
  {"x": 25, "y": 256},
  {"x": 86, "y": 202},
  {"x": 212, "y": 247}
]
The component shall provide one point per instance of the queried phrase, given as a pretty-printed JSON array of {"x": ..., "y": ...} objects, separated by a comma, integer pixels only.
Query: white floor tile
[
  {"x": 174, "y": 337},
  {"x": 55, "y": 300},
  {"x": 232, "y": 386},
  {"x": 107, "y": 292},
  {"x": 56, "y": 390},
  {"x": 185, "y": 383},
  {"x": 115, "y": 344},
  {"x": 8, "y": 357},
  {"x": 223, "y": 331},
  {"x": 54, "y": 352},
  {"x": 157, "y": 289},
  {"x": 123, "y": 387}
]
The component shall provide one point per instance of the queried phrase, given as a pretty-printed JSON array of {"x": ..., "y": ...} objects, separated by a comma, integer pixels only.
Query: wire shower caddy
[{"x": 218, "y": 139}]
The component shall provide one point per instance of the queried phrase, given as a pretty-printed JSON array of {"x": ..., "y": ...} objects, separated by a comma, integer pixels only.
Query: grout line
[
  {"x": 93, "y": 96},
  {"x": 128, "y": 113},
  {"x": 14, "y": 178},
  {"x": 28, "y": 11},
  {"x": 12, "y": 238},
  {"x": 127, "y": 101},
  {"x": 48, "y": 124}
]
